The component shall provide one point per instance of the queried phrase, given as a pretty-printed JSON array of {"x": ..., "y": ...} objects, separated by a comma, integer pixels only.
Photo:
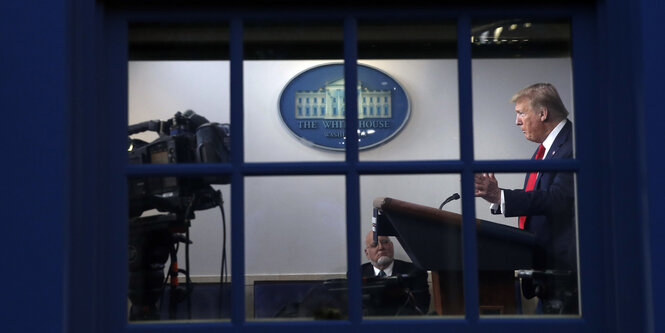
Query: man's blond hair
[{"x": 543, "y": 95}]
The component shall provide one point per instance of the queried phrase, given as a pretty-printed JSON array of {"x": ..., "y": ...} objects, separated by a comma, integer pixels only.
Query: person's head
[
  {"x": 539, "y": 109},
  {"x": 380, "y": 254}
]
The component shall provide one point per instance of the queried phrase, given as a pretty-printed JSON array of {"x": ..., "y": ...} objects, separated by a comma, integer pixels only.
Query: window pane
[
  {"x": 179, "y": 241},
  {"x": 522, "y": 104},
  {"x": 179, "y": 236},
  {"x": 295, "y": 247},
  {"x": 294, "y": 91},
  {"x": 417, "y": 227},
  {"x": 179, "y": 41},
  {"x": 172, "y": 91},
  {"x": 509, "y": 55},
  {"x": 539, "y": 260},
  {"x": 408, "y": 95}
]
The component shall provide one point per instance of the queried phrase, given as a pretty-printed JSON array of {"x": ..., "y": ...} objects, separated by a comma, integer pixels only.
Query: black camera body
[{"x": 186, "y": 138}]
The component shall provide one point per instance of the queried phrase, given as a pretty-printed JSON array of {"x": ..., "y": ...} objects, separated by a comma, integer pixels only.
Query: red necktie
[{"x": 531, "y": 182}]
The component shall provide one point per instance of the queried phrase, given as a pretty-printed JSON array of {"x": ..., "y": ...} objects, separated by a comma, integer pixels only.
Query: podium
[{"x": 432, "y": 238}]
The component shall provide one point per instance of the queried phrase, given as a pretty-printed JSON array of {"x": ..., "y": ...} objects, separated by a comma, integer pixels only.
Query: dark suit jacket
[
  {"x": 550, "y": 209},
  {"x": 416, "y": 281}
]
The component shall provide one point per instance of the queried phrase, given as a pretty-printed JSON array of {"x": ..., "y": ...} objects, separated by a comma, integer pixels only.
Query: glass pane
[
  {"x": 174, "y": 97},
  {"x": 179, "y": 241},
  {"x": 528, "y": 265},
  {"x": 417, "y": 245},
  {"x": 179, "y": 236},
  {"x": 179, "y": 41},
  {"x": 522, "y": 104},
  {"x": 294, "y": 91},
  {"x": 295, "y": 247},
  {"x": 509, "y": 55},
  {"x": 408, "y": 105}
]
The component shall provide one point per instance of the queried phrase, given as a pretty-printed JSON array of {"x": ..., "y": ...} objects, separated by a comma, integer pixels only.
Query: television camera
[
  {"x": 153, "y": 239},
  {"x": 185, "y": 138}
]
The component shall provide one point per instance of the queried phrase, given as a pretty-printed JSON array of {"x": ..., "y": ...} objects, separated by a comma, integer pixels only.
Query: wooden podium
[{"x": 433, "y": 240}]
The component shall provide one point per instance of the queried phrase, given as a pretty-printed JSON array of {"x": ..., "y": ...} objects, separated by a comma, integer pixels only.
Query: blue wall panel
[{"x": 34, "y": 94}]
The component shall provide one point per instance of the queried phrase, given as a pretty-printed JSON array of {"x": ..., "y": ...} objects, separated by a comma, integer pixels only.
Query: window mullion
[
  {"x": 352, "y": 178},
  {"x": 466, "y": 150},
  {"x": 589, "y": 211},
  {"x": 237, "y": 179}
]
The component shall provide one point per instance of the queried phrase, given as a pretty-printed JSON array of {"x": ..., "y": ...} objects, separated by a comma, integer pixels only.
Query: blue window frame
[
  {"x": 101, "y": 194},
  {"x": 352, "y": 169}
]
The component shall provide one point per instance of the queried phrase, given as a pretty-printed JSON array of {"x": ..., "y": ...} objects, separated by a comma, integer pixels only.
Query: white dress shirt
[
  {"x": 388, "y": 270},
  {"x": 549, "y": 140}
]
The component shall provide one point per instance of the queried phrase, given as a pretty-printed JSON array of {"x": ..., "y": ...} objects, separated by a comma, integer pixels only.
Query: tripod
[{"x": 152, "y": 241}]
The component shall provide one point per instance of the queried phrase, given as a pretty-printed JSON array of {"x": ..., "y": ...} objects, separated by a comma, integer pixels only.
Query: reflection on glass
[
  {"x": 294, "y": 91},
  {"x": 528, "y": 238},
  {"x": 419, "y": 58},
  {"x": 509, "y": 55},
  {"x": 295, "y": 247},
  {"x": 417, "y": 245},
  {"x": 520, "y": 38}
]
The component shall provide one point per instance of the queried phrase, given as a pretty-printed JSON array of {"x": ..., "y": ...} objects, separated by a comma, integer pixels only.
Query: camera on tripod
[
  {"x": 185, "y": 138},
  {"x": 154, "y": 239}
]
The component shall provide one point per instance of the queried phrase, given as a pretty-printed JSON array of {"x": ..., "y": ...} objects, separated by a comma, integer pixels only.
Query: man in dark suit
[
  {"x": 402, "y": 290},
  {"x": 546, "y": 205},
  {"x": 394, "y": 286}
]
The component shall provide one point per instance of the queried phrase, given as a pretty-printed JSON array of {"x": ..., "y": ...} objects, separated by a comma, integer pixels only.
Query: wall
[{"x": 296, "y": 224}]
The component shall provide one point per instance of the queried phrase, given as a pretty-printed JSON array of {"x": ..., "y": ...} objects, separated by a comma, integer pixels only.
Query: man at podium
[{"x": 546, "y": 204}]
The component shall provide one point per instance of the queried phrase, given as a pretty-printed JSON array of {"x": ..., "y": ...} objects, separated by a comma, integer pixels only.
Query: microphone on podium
[
  {"x": 455, "y": 196},
  {"x": 398, "y": 278},
  {"x": 375, "y": 236}
]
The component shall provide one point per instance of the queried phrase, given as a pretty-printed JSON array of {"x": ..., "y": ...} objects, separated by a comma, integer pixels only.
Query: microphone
[
  {"x": 375, "y": 237},
  {"x": 455, "y": 196},
  {"x": 386, "y": 279}
]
